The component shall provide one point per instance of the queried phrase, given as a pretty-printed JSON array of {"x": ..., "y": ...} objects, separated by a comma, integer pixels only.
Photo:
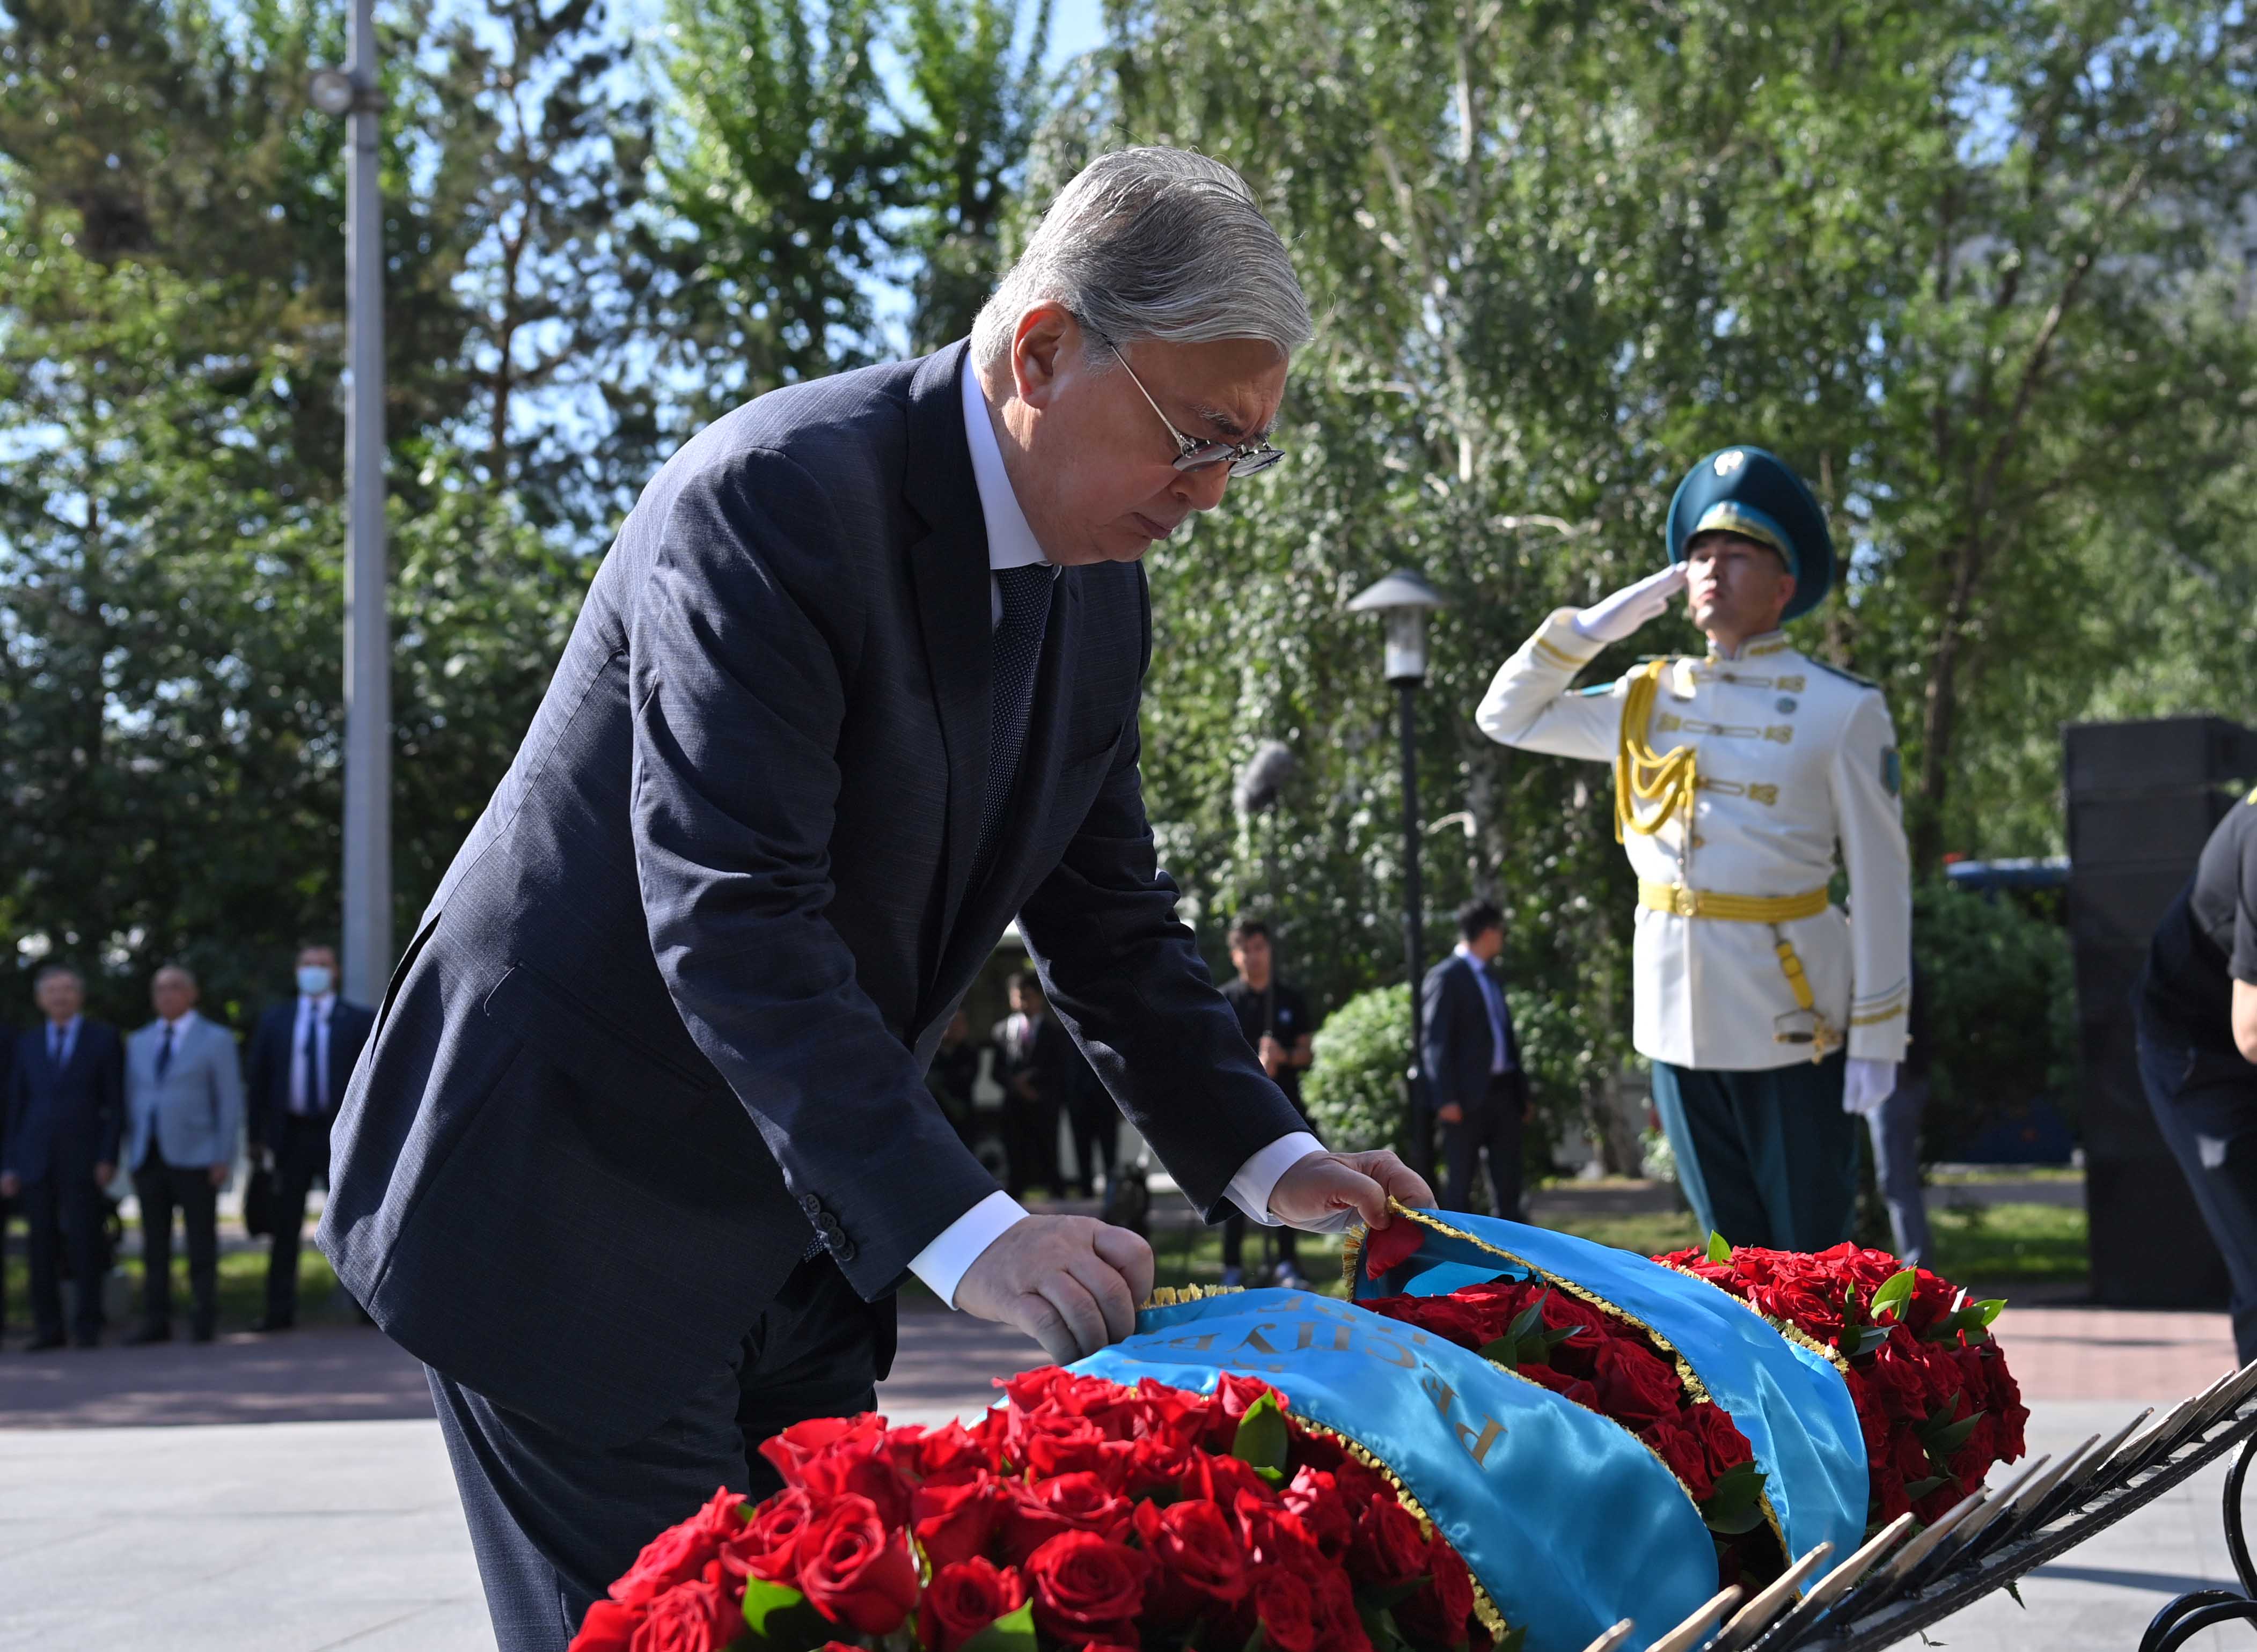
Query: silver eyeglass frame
[{"x": 1193, "y": 454}]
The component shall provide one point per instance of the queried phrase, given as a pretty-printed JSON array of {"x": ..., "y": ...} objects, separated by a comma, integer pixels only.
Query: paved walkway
[{"x": 144, "y": 1502}]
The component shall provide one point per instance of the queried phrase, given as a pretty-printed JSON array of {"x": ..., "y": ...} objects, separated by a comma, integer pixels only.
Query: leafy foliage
[{"x": 1355, "y": 1091}]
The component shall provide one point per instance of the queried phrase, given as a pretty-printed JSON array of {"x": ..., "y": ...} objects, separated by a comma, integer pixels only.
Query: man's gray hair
[{"x": 1153, "y": 243}]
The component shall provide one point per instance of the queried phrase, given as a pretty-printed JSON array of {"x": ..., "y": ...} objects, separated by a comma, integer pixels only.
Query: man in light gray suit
[{"x": 183, "y": 1118}]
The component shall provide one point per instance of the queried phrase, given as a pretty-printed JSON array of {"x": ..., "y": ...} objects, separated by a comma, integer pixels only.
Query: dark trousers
[
  {"x": 162, "y": 1189},
  {"x": 1493, "y": 1127},
  {"x": 301, "y": 1153},
  {"x": 2207, "y": 1111},
  {"x": 1233, "y": 1243},
  {"x": 1030, "y": 1143},
  {"x": 1096, "y": 1126},
  {"x": 553, "y": 1521},
  {"x": 64, "y": 1219},
  {"x": 1766, "y": 1158},
  {"x": 1895, "y": 1135}
]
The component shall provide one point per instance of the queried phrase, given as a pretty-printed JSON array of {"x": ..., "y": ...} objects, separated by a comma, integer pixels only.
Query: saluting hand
[
  {"x": 1618, "y": 616},
  {"x": 1071, "y": 1282}
]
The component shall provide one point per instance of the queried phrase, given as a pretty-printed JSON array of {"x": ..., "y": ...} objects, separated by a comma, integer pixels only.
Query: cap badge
[{"x": 1730, "y": 462}]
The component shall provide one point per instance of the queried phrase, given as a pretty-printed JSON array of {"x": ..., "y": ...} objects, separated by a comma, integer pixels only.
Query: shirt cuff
[
  {"x": 1250, "y": 1188},
  {"x": 942, "y": 1264}
]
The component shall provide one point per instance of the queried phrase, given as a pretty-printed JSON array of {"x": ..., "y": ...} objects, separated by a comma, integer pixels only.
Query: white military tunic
[{"x": 1792, "y": 757}]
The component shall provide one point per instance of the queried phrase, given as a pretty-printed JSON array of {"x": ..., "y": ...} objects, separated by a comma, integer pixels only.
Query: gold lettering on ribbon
[
  {"x": 1394, "y": 1352},
  {"x": 1199, "y": 1345},
  {"x": 1253, "y": 1339},
  {"x": 1306, "y": 1336},
  {"x": 1492, "y": 1431}
]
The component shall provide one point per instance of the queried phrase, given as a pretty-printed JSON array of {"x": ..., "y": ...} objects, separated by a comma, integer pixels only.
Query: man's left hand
[
  {"x": 102, "y": 1173},
  {"x": 219, "y": 1175},
  {"x": 1326, "y": 1190}
]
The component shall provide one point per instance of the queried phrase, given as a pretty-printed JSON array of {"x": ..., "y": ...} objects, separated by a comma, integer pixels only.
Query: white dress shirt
[
  {"x": 312, "y": 1023},
  {"x": 941, "y": 1264}
]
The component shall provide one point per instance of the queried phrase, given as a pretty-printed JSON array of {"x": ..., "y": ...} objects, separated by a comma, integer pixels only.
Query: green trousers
[{"x": 1766, "y": 1158}]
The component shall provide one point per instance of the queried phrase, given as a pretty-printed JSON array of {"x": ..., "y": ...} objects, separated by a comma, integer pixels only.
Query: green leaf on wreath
[
  {"x": 1735, "y": 1502},
  {"x": 1262, "y": 1438},
  {"x": 1528, "y": 1320},
  {"x": 1942, "y": 1440},
  {"x": 1387, "y": 1599},
  {"x": 1718, "y": 1251},
  {"x": 1514, "y": 1640},
  {"x": 1554, "y": 1338},
  {"x": 1863, "y": 1339},
  {"x": 1256, "y": 1641},
  {"x": 2017, "y": 1594},
  {"x": 1894, "y": 1293},
  {"x": 781, "y": 1618},
  {"x": 1919, "y": 1489},
  {"x": 1505, "y": 1350},
  {"x": 1992, "y": 1306},
  {"x": 1015, "y": 1632}
]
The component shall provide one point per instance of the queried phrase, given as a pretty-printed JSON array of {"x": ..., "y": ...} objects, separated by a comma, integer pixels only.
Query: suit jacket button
[
  {"x": 843, "y": 1250},
  {"x": 809, "y": 1204}
]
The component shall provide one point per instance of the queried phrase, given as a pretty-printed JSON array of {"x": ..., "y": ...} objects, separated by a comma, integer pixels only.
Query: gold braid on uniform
[{"x": 1643, "y": 775}]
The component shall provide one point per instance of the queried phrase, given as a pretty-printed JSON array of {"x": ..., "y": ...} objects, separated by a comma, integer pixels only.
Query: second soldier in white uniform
[{"x": 1769, "y": 1013}]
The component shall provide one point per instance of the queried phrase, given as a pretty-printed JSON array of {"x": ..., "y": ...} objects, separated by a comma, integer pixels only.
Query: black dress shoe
[
  {"x": 274, "y": 1322},
  {"x": 40, "y": 1344},
  {"x": 147, "y": 1334}
]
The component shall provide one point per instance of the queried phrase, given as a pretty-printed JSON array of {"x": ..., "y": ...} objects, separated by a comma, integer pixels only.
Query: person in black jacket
[
  {"x": 301, "y": 1057},
  {"x": 641, "y": 1148},
  {"x": 2196, "y": 1012},
  {"x": 1038, "y": 1060},
  {"x": 66, "y": 1113},
  {"x": 1476, "y": 1083}
]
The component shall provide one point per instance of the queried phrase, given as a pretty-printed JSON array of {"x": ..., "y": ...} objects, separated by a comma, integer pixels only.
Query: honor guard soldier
[{"x": 1771, "y": 1015}]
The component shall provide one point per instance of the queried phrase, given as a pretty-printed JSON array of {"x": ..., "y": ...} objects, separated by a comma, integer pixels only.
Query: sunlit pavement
[{"x": 290, "y": 1493}]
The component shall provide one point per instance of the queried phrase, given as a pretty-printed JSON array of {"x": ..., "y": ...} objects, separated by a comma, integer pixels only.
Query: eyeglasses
[{"x": 1191, "y": 455}]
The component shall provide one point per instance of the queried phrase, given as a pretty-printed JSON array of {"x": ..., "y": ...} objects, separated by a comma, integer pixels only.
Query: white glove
[
  {"x": 1866, "y": 1084},
  {"x": 1616, "y": 617}
]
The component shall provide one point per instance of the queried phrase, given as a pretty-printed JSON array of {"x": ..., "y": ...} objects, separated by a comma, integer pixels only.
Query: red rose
[
  {"x": 690, "y": 1617},
  {"x": 1464, "y": 1324},
  {"x": 767, "y": 1547},
  {"x": 1197, "y": 1552},
  {"x": 1220, "y": 1479},
  {"x": 1332, "y": 1604},
  {"x": 609, "y": 1626},
  {"x": 1087, "y": 1589},
  {"x": 957, "y": 1521},
  {"x": 853, "y": 1571},
  {"x": 1036, "y": 1511},
  {"x": 964, "y": 1598},
  {"x": 1054, "y": 1442},
  {"x": 1636, "y": 1388},
  {"x": 1437, "y": 1615},
  {"x": 675, "y": 1555},
  {"x": 1681, "y": 1451},
  {"x": 1560, "y": 1383},
  {"x": 1908, "y": 1456},
  {"x": 1383, "y": 1247},
  {"x": 1154, "y": 1461},
  {"x": 1722, "y": 1443},
  {"x": 1288, "y": 1613},
  {"x": 1389, "y": 1549},
  {"x": 955, "y": 1453},
  {"x": 1316, "y": 1500},
  {"x": 802, "y": 1442},
  {"x": 1900, "y": 1382},
  {"x": 1274, "y": 1536},
  {"x": 858, "y": 1467}
]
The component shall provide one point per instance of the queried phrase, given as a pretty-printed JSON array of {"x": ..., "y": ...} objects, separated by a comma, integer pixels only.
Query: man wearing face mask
[
  {"x": 302, "y": 1054},
  {"x": 1770, "y": 1015}
]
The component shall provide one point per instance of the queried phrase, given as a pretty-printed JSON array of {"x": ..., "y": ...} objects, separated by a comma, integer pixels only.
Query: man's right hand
[
  {"x": 11, "y": 1186},
  {"x": 1618, "y": 616},
  {"x": 1071, "y": 1282}
]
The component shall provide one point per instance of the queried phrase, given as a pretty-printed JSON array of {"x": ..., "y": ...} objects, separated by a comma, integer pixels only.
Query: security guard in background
[
  {"x": 2196, "y": 1015},
  {"x": 1770, "y": 1015}
]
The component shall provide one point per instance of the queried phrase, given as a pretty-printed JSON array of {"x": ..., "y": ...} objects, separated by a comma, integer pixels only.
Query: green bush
[
  {"x": 1355, "y": 1089},
  {"x": 2000, "y": 1007}
]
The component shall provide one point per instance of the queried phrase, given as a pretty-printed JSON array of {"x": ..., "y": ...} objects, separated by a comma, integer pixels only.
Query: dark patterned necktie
[
  {"x": 1018, "y": 649},
  {"x": 165, "y": 1052}
]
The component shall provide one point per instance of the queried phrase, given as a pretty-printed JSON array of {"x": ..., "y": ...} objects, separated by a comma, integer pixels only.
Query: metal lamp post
[
  {"x": 367, "y": 951},
  {"x": 1404, "y": 599}
]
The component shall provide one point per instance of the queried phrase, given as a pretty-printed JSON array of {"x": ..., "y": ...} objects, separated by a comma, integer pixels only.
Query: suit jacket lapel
[{"x": 948, "y": 567}]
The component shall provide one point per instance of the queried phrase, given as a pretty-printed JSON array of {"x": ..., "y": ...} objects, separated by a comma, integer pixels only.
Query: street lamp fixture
[{"x": 1402, "y": 600}]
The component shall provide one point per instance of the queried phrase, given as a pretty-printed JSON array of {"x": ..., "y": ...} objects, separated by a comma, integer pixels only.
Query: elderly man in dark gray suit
[{"x": 641, "y": 1148}]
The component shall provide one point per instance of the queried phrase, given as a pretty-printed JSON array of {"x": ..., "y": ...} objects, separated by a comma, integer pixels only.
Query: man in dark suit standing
[
  {"x": 641, "y": 1147},
  {"x": 301, "y": 1055},
  {"x": 65, "y": 1116},
  {"x": 1038, "y": 1056},
  {"x": 1479, "y": 1091}
]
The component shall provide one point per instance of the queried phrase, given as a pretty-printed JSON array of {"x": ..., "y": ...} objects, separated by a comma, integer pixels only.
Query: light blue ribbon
[
  {"x": 1789, "y": 1399},
  {"x": 1569, "y": 1521}
]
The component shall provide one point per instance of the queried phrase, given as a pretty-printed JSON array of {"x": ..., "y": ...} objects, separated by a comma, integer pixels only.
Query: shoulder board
[
  {"x": 1597, "y": 690},
  {"x": 1846, "y": 676}
]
